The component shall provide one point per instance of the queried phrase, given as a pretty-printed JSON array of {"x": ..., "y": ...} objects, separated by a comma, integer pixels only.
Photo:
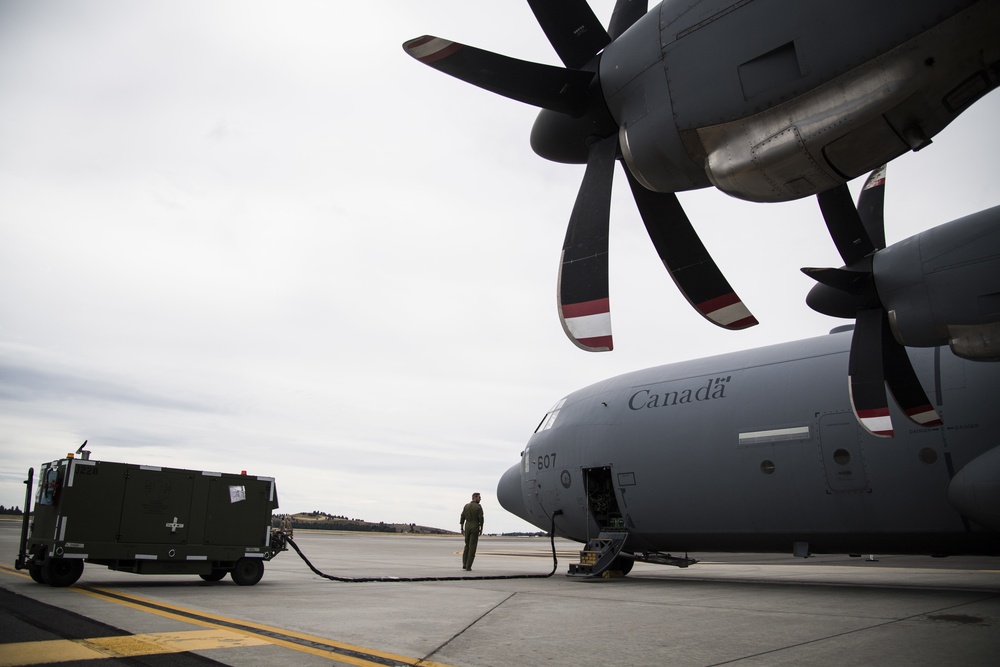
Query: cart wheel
[
  {"x": 61, "y": 571},
  {"x": 248, "y": 571},
  {"x": 35, "y": 570},
  {"x": 216, "y": 575}
]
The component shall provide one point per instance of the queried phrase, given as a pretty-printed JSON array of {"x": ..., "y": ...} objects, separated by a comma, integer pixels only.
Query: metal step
[{"x": 598, "y": 555}]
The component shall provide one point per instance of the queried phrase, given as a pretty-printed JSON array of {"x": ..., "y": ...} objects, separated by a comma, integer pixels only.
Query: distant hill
[{"x": 323, "y": 521}]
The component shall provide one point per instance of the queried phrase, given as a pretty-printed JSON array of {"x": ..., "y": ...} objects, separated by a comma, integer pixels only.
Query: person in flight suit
[{"x": 472, "y": 527}]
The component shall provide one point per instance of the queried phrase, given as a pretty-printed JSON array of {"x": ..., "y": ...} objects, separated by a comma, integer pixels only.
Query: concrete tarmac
[{"x": 747, "y": 609}]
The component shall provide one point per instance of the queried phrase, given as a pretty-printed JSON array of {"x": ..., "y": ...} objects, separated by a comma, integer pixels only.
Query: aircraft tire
[
  {"x": 622, "y": 564},
  {"x": 248, "y": 571},
  {"x": 61, "y": 572}
]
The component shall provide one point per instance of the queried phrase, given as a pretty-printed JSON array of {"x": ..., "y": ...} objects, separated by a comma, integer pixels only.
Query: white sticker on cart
[
  {"x": 74, "y": 464},
  {"x": 237, "y": 493}
]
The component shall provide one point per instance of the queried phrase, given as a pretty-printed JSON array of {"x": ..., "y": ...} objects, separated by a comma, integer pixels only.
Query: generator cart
[{"x": 146, "y": 520}]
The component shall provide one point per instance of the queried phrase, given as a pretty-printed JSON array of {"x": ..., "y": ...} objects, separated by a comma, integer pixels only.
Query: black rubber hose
[{"x": 360, "y": 580}]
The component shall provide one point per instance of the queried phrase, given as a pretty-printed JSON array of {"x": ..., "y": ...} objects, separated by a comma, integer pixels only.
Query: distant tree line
[
  {"x": 11, "y": 510},
  {"x": 338, "y": 524},
  {"x": 317, "y": 520}
]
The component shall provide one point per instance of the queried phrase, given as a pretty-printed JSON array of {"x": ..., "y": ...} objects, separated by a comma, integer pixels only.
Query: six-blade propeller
[
  {"x": 575, "y": 121},
  {"x": 877, "y": 360}
]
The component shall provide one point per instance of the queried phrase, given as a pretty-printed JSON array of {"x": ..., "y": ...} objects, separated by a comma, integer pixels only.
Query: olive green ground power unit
[{"x": 147, "y": 520}]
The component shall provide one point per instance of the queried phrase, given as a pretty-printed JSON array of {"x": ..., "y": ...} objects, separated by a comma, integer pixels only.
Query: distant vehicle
[
  {"x": 768, "y": 101},
  {"x": 759, "y": 451}
]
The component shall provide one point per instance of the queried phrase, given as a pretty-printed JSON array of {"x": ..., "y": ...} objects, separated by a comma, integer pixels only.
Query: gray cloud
[{"x": 22, "y": 384}]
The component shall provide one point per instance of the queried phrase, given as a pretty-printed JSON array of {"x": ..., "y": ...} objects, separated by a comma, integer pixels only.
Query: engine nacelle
[
  {"x": 634, "y": 82},
  {"x": 790, "y": 114},
  {"x": 943, "y": 286}
]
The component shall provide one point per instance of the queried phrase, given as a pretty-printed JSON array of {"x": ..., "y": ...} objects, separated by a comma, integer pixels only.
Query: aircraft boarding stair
[{"x": 598, "y": 555}]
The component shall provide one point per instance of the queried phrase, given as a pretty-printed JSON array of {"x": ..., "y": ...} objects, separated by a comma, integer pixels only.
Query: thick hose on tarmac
[{"x": 365, "y": 580}]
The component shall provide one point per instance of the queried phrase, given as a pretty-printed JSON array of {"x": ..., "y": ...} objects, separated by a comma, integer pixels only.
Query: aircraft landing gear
[{"x": 622, "y": 564}]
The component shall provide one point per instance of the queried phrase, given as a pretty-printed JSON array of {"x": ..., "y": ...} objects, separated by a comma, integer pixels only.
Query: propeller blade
[
  {"x": 871, "y": 207},
  {"x": 572, "y": 30},
  {"x": 903, "y": 383},
  {"x": 845, "y": 225},
  {"x": 544, "y": 86},
  {"x": 584, "y": 304},
  {"x": 687, "y": 260},
  {"x": 865, "y": 374},
  {"x": 626, "y": 13}
]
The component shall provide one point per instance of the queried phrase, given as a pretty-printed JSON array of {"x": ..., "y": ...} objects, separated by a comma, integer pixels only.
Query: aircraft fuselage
[{"x": 760, "y": 451}]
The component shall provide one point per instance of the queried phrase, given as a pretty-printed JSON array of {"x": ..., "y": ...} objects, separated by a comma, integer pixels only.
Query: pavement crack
[
  {"x": 465, "y": 629},
  {"x": 855, "y": 631}
]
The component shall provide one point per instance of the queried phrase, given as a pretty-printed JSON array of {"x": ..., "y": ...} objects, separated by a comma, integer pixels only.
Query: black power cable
[{"x": 361, "y": 580}]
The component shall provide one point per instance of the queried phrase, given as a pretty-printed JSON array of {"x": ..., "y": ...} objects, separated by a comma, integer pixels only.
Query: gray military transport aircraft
[
  {"x": 759, "y": 451},
  {"x": 766, "y": 450},
  {"x": 767, "y": 100}
]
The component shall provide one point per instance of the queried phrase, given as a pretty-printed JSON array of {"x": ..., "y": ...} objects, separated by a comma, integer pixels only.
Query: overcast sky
[{"x": 258, "y": 236}]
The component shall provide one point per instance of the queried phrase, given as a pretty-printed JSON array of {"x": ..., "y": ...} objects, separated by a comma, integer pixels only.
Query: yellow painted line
[
  {"x": 319, "y": 646},
  {"x": 65, "y": 650},
  {"x": 311, "y": 644},
  {"x": 18, "y": 573},
  {"x": 36, "y": 653}
]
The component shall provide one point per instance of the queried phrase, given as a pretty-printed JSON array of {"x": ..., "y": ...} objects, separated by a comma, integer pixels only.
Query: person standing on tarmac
[{"x": 472, "y": 527}]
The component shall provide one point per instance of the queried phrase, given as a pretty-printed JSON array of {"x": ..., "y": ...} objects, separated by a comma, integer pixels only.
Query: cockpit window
[{"x": 549, "y": 420}]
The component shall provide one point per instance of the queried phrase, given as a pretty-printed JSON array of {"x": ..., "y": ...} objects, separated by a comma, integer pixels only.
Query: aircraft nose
[{"x": 509, "y": 492}]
